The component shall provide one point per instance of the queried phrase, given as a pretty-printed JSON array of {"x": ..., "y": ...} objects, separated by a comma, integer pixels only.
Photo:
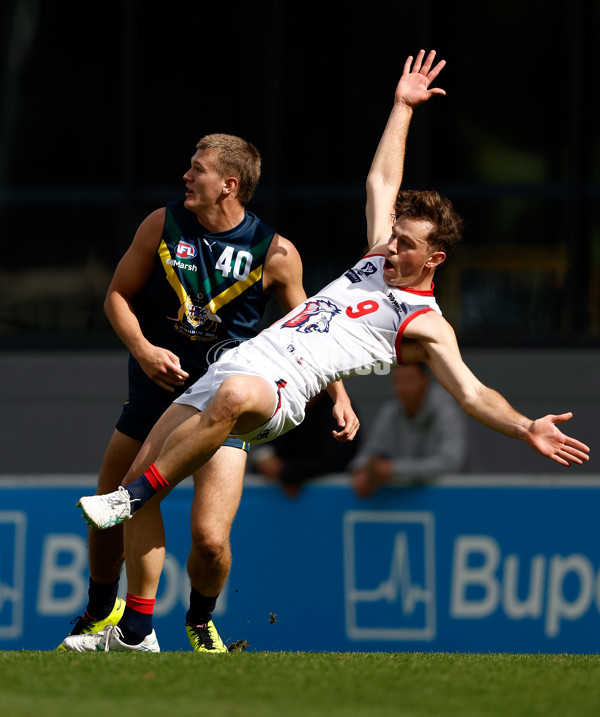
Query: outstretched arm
[
  {"x": 385, "y": 175},
  {"x": 434, "y": 342}
]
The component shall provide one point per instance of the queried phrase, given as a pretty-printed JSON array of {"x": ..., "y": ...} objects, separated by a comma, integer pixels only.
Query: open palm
[
  {"x": 544, "y": 437},
  {"x": 413, "y": 87}
]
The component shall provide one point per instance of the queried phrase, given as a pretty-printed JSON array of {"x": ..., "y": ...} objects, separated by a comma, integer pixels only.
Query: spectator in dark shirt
[{"x": 307, "y": 452}]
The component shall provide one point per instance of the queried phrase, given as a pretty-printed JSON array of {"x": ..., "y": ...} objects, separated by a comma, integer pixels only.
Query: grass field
[{"x": 265, "y": 684}]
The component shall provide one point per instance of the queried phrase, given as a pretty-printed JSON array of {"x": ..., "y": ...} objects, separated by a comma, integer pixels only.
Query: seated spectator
[
  {"x": 419, "y": 434},
  {"x": 306, "y": 452}
]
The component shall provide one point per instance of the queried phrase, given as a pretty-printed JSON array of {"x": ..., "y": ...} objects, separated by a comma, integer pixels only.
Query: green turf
[{"x": 265, "y": 684}]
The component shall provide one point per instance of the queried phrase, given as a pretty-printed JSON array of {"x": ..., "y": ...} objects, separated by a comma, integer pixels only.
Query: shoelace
[
  {"x": 207, "y": 635},
  {"x": 107, "y": 633},
  {"x": 201, "y": 634},
  {"x": 118, "y": 499},
  {"x": 85, "y": 619}
]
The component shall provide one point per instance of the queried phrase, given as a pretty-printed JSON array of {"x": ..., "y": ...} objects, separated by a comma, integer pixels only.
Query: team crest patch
[
  {"x": 357, "y": 275},
  {"x": 196, "y": 321},
  {"x": 315, "y": 316},
  {"x": 368, "y": 269},
  {"x": 196, "y": 315}
]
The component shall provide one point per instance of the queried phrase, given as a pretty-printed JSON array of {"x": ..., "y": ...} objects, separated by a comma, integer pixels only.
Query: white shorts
[{"x": 289, "y": 405}]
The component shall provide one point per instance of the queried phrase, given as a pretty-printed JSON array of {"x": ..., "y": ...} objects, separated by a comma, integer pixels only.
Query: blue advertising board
[{"x": 473, "y": 565}]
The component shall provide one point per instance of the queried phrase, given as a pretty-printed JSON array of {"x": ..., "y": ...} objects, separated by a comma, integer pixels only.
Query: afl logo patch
[{"x": 185, "y": 250}]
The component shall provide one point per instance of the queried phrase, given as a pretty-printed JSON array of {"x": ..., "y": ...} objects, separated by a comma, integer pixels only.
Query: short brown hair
[
  {"x": 429, "y": 206},
  {"x": 234, "y": 157}
]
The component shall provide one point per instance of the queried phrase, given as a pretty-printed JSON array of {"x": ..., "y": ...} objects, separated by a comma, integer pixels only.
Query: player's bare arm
[
  {"x": 385, "y": 176},
  {"x": 131, "y": 274},
  {"x": 282, "y": 274},
  {"x": 283, "y": 278},
  {"x": 343, "y": 413},
  {"x": 433, "y": 340}
]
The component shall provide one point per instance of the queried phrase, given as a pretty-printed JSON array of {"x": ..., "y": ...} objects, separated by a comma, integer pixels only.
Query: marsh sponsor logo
[
  {"x": 182, "y": 265},
  {"x": 389, "y": 567},
  {"x": 13, "y": 528}
]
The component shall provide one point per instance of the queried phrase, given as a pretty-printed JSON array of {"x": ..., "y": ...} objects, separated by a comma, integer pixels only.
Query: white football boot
[
  {"x": 109, "y": 639},
  {"x": 104, "y": 511}
]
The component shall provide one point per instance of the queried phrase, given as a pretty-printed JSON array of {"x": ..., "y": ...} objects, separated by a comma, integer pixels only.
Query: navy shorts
[{"x": 147, "y": 402}]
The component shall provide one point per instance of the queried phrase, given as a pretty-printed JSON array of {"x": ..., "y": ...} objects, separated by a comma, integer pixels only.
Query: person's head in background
[{"x": 410, "y": 383}]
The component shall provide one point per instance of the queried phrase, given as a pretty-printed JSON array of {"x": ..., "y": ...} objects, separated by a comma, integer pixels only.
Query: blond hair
[{"x": 234, "y": 157}]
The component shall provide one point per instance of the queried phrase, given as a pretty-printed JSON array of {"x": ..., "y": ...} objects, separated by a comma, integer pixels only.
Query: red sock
[
  {"x": 140, "y": 604},
  {"x": 145, "y": 487},
  {"x": 136, "y": 622},
  {"x": 156, "y": 480}
]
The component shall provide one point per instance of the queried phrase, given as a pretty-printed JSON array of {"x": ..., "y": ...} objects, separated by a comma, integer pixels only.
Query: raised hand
[
  {"x": 544, "y": 437},
  {"x": 413, "y": 87}
]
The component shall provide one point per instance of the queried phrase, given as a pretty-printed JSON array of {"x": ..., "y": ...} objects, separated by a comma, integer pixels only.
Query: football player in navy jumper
[{"x": 194, "y": 283}]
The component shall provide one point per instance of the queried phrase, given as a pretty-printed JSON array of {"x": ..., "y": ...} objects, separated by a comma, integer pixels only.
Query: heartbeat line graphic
[
  {"x": 393, "y": 605},
  {"x": 399, "y": 582}
]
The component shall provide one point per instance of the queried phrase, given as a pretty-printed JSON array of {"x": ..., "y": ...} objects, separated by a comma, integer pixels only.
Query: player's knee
[
  {"x": 209, "y": 544},
  {"x": 231, "y": 400}
]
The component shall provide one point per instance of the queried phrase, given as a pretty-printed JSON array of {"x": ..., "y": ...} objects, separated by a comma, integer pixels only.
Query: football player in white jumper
[{"x": 380, "y": 310}]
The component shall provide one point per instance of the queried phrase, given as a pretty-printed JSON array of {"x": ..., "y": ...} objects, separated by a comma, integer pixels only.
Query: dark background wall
[
  {"x": 58, "y": 408},
  {"x": 102, "y": 106}
]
